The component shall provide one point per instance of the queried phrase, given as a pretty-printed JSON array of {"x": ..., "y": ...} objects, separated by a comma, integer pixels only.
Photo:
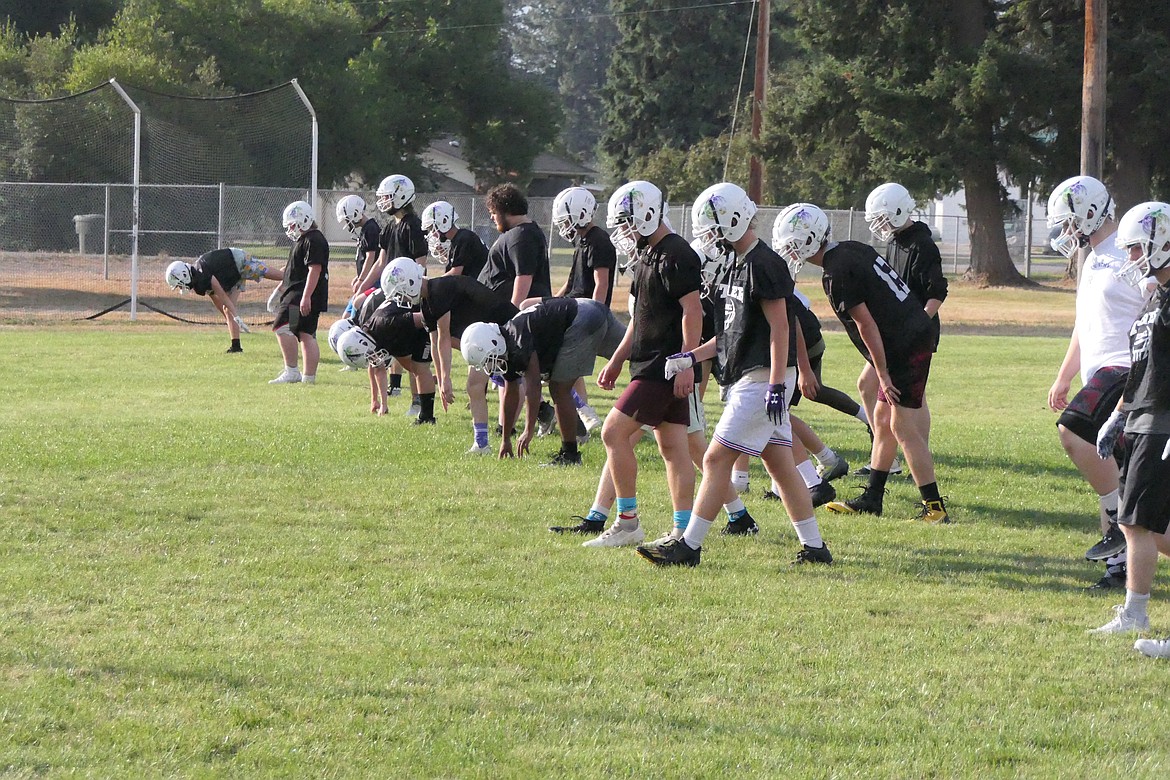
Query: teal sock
[
  {"x": 627, "y": 506},
  {"x": 682, "y": 519},
  {"x": 735, "y": 509},
  {"x": 597, "y": 516}
]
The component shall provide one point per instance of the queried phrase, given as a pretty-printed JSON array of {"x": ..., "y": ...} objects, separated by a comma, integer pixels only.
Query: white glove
[
  {"x": 679, "y": 362},
  {"x": 1109, "y": 434},
  {"x": 243, "y": 326},
  {"x": 1166, "y": 451},
  {"x": 272, "y": 300}
]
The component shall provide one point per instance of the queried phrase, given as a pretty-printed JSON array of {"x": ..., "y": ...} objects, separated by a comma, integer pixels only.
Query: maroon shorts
[
  {"x": 652, "y": 402},
  {"x": 1092, "y": 405},
  {"x": 909, "y": 373}
]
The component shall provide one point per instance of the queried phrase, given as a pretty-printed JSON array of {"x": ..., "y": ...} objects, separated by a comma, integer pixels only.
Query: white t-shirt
[{"x": 1106, "y": 308}]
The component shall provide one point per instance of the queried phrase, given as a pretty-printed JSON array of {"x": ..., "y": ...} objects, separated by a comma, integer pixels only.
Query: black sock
[
  {"x": 569, "y": 448},
  {"x": 877, "y": 481},
  {"x": 426, "y": 404},
  {"x": 395, "y": 381},
  {"x": 930, "y": 492},
  {"x": 236, "y": 344}
]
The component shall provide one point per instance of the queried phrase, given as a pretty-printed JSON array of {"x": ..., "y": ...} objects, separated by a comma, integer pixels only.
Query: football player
[
  {"x": 752, "y": 351},
  {"x": 303, "y": 294},
  {"x": 221, "y": 274},
  {"x": 459, "y": 249},
  {"x": 351, "y": 215},
  {"x": 1143, "y": 414},
  {"x": 517, "y": 266},
  {"x": 559, "y": 338},
  {"x": 892, "y": 331},
  {"x": 1081, "y": 210}
]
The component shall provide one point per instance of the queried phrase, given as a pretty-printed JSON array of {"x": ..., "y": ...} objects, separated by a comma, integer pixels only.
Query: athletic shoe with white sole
[
  {"x": 839, "y": 469},
  {"x": 1123, "y": 623},
  {"x": 1154, "y": 648},
  {"x": 478, "y": 450},
  {"x": 590, "y": 417},
  {"x": 1112, "y": 543},
  {"x": 618, "y": 537},
  {"x": 286, "y": 377}
]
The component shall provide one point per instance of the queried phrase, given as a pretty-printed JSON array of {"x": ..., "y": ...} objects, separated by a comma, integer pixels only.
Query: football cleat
[
  {"x": 233, "y": 348},
  {"x": 546, "y": 419},
  {"x": 583, "y": 436},
  {"x": 673, "y": 552},
  {"x": 1123, "y": 623},
  {"x": 425, "y": 421},
  {"x": 563, "y": 458},
  {"x": 822, "y": 493},
  {"x": 932, "y": 513},
  {"x": 1113, "y": 580},
  {"x": 744, "y": 525},
  {"x": 617, "y": 537},
  {"x": 771, "y": 495},
  {"x": 838, "y": 470},
  {"x": 865, "y": 503},
  {"x": 813, "y": 555},
  {"x": 414, "y": 410},
  {"x": 309, "y": 380},
  {"x": 1154, "y": 648},
  {"x": 586, "y": 526},
  {"x": 286, "y": 377},
  {"x": 478, "y": 450},
  {"x": 895, "y": 469},
  {"x": 1112, "y": 543},
  {"x": 394, "y": 392},
  {"x": 590, "y": 417}
]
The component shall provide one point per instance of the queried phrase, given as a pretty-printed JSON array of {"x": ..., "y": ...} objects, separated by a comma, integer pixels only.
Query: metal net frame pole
[{"x": 134, "y": 207}]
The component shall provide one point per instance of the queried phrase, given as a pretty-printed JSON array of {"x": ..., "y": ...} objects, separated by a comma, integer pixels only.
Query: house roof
[{"x": 445, "y": 156}]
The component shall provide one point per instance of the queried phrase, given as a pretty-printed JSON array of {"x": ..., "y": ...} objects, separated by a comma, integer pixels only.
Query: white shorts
[{"x": 744, "y": 425}]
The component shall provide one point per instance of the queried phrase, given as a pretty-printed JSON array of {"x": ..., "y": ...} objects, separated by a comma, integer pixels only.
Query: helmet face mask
[
  {"x": 1146, "y": 228},
  {"x": 394, "y": 193},
  {"x": 888, "y": 209},
  {"x": 298, "y": 219},
  {"x": 721, "y": 216},
  {"x": 438, "y": 219},
  {"x": 483, "y": 348},
  {"x": 402, "y": 281},
  {"x": 178, "y": 276},
  {"x": 799, "y": 233},
  {"x": 573, "y": 208},
  {"x": 714, "y": 267},
  {"x": 1078, "y": 206},
  {"x": 357, "y": 350},
  {"x": 350, "y": 211},
  {"x": 635, "y": 211}
]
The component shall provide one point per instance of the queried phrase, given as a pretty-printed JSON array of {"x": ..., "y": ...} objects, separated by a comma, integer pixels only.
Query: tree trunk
[{"x": 990, "y": 262}]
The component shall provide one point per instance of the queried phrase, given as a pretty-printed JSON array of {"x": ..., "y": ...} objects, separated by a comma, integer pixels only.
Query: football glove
[
  {"x": 1109, "y": 434},
  {"x": 678, "y": 363},
  {"x": 774, "y": 403},
  {"x": 273, "y": 300},
  {"x": 1166, "y": 451},
  {"x": 243, "y": 326}
]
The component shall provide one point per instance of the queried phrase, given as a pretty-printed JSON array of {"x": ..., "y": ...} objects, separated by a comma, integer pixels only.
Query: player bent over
[
  {"x": 221, "y": 274},
  {"x": 892, "y": 331},
  {"x": 303, "y": 294},
  {"x": 559, "y": 338},
  {"x": 1144, "y": 415},
  {"x": 752, "y": 349}
]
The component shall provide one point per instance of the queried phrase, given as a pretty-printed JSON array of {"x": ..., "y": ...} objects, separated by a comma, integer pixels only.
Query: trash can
[{"x": 86, "y": 224}]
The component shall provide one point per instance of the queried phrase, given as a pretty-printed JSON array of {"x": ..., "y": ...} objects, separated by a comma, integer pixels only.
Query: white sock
[
  {"x": 308, "y": 379},
  {"x": 1107, "y": 504},
  {"x": 291, "y": 370},
  {"x": 861, "y": 414},
  {"x": 739, "y": 480},
  {"x": 1135, "y": 603},
  {"x": 696, "y": 532},
  {"x": 808, "y": 473},
  {"x": 775, "y": 488},
  {"x": 808, "y": 532},
  {"x": 626, "y": 522},
  {"x": 826, "y": 457}
]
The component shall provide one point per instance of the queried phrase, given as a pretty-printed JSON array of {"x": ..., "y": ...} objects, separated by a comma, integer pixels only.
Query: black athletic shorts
[
  {"x": 297, "y": 323},
  {"x": 1091, "y": 407},
  {"x": 1145, "y": 491},
  {"x": 909, "y": 373}
]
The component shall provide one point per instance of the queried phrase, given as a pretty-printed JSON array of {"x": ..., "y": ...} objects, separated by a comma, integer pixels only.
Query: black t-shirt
[
  {"x": 914, "y": 256},
  {"x": 594, "y": 250},
  {"x": 810, "y": 324},
  {"x": 743, "y": 339},
  {"x": 220, "y": 263},
  {"x": 855, "y": 273},
  {"x": 467, "y": 300},
  {"x": 392, "y": 329},
  {"x": 522, "y": 251},
  {"x": 310, "y": 249},
  {"x": 540, "y": 329},
  {"x": 469, "y": 251},
  {"x": 404, "y": 237},
  {"x": 1147, "y": 388},
  {"x": 669, "y": 272},
  {"x": 367, "y": 241},
  {"x": 369, "y": 306}
]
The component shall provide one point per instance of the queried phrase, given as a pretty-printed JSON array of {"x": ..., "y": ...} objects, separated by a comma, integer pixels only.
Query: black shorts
[
  {"x": 1091, "y": 407},
  {"x": 1145, "y": 491},
  {"x": 909, "y": 373},
  {"x": 815, "y": 364},
  {"x": 297, "y": 323},
  {"x": 652, "y": 402},
  {"x": 421, "y": 352}
]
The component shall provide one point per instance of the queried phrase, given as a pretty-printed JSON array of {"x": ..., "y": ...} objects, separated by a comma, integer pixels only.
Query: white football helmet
[
  {"x": 888, "y": 209},
  {"x": 799, "y": 232},
  {"x": 713, "y": 268},
  {"x": 437, "y": 220},
  {"x": 635, "y": 211},
  {"x": 179, "y": 276},
  {"x": 357, "y": 350},
  {"x": 350, "y": 211},
  {"x": 402, "y": 281},
  {"x": 1146, "y": 225},
  {"x": 394, "y": 193},
  {"x": 298, "y": 219},
  {"x": 483, "y": 347},
  {"x": 721, "y": 215},
  {"x": 1078, "y": 206},
  {"x": 338, "y": 329},
  {"x": 573, "y": 208}
]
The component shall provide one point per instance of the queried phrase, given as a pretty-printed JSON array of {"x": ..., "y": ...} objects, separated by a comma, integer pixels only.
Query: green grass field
[{"x": 207, "y": 576}]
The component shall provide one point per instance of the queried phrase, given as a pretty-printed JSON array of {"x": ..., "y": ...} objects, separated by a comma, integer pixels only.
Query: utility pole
[
  {"x": 1093, "y": 89},
  {"x": 756, "y": 171}
]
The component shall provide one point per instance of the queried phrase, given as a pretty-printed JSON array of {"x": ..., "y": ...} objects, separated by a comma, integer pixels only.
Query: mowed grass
[{"x": 205, "y": 575}]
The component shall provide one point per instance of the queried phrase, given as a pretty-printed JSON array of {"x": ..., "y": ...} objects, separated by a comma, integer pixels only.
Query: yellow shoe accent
[{"x": 933, "y": 513}]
